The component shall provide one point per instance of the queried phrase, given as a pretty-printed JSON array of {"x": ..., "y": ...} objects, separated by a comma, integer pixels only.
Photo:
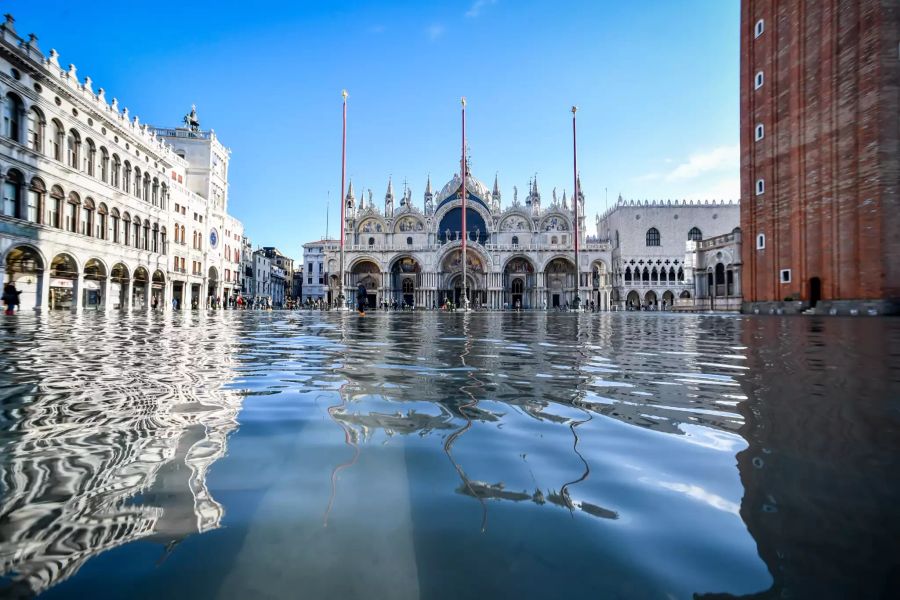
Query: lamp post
[{"x": 341, "y": 296}]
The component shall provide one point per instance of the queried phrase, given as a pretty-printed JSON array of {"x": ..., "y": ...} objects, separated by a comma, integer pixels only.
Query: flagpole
[
  {"x": 575, "y": 176},
  {"x": 343, "y": 200},
  {"x": 465, "y": 298}
]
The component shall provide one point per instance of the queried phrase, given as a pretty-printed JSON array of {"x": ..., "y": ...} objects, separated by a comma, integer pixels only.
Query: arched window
[
  {"x": 672, "y": 274},
  {"x": 654, "y": 275},
  {"x": 54, "y": 218},
  {"x": 87, "y": 218},
  {"x": 653, "y": 237},
  {"x": 554, "y": 240},
  {"x": 617, "y": 238},
  {"x": 114, "y": 224},
  {"x": 136, "y": 232},
  {"x": 72, "y": 204},
  {"x": 162, "y": 239},
  {"x": 104, "y": 165},
  {"x": 761, "y": 241},
  {"x": 155, "y": 196},
  {"x": 101, "y": 225},
  {"x": 695, "y": 235},
  {"x": 137, "y": 183},
  {"x": 680, "y": 275},
  {"x": 371, "y": 241},
  {"x": 12, "y": 117},
  {"x": 146, "y": 193},
  {"x": 59, "y": 136},
  {"x": 409, "y": 241},
  {"x": 36, "y": 124},
  {"x": 645, "y": 276},
  {"x": 126, "y": 229},
  {"x": 34, "y": 210},
  {"x": 73, "y": 146},
  {"x": 154, "y": 246},
  {"x": 163, "y": 196},
  {"x": 91, "y": 156},
  {"x": 515, "y": 240},
  {"x": 126, "y": 177},
  {"x": 627, "y": 273},
  {"x": 12, "y": 194},
  {"x": 116, "y": 171}
]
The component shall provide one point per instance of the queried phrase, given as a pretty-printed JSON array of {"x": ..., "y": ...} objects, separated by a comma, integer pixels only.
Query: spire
[
  {"x": 389, "y": 199},
  {"x": 428, "y": 185},
  {"x": 390, "y": 190},
  {"x": 429, "y": 197},
  {"x": 350, "y": 190},
  {"x": 496, "y": 185}
]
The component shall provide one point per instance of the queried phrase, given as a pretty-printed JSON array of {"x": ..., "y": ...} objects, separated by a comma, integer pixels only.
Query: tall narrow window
[
  {"x": 758, "y": 80},
  {"x": 59, "y": 136},
  {"x": 91, "y": 159},
  {"x": 35, "y": 206},
  {"x": 12, "y": 193},
  {"x": 759, "y": 28},
  {"x": 73, "y": 142},
  {"x": 760, "y": 132},
  {"x": 760, "y": 187},
  {"x": 36, "y": 129},
  {"x": 12, "y": 117},
  {"x": 761, "y": 241}
]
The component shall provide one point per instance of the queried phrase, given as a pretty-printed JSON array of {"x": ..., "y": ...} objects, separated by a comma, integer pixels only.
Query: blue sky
[{"x": 656, "y": 83}]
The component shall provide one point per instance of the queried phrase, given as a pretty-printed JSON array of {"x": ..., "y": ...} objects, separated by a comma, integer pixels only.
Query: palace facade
[{"x": 96, "y": 206}]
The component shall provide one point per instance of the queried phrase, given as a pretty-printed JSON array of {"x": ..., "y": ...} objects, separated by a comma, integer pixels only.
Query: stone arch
[
  {"x": 513, "y": 217},
  {"x": 408, "y": 223},
  {"x": 555, "y": 221},
  {"x": 24, "y": 267},
  {"x": 633, "y": 300}
]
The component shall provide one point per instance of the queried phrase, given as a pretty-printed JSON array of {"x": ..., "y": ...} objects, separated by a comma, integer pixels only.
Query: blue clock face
[{"x": 213, "y": 238}]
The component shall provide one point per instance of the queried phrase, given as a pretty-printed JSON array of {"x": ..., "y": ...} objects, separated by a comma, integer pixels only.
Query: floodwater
[{"x": 276, "y": 455}]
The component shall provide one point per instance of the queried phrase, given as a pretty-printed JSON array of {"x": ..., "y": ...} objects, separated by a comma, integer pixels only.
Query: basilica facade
[{"x": 518, "y": 255}]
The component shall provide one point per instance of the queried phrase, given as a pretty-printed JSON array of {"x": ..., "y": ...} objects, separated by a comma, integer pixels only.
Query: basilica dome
[{"x": 474, "y": 186}]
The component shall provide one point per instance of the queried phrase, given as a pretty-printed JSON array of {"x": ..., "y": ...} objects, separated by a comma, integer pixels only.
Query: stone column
[
  {"x": 77, "y": 291},
  {"x": 167, "y": 295},
  {"x": 107, "y": 295},
  {"x": 148, "y": 292},
  {"x": 204, "y": 289},
  {"x": 43, "y": 300},
  {"x": 126, "y": 293}
]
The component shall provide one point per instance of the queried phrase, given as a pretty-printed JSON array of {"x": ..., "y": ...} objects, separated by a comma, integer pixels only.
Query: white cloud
[
  {"x": 434, "y": 31},
  {"x": 476, "y": 7},
  {"x": 721, "y": 158}
]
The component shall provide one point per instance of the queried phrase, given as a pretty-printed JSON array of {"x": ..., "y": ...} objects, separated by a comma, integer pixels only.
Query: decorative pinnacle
[{"x": 344, "y": 95}]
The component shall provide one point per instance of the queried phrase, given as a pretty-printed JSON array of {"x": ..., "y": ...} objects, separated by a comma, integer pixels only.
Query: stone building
[
  {"x": 315, "y": 286},
  {"x": 284, "y": 275},
  {"x": 652, "y": 245},
  {"x": 820, "y": 168},
  {"x": 97, "y": 207},
  {"x": 518, "y": 255}
]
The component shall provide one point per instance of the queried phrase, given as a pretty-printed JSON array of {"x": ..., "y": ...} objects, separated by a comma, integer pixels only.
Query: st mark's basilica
[{"x": 518, "y": 256}]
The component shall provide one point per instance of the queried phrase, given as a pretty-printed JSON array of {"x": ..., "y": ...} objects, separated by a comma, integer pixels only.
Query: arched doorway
[
  {"x": 63, "y": 275},
  {"x": 405, "y": 280},
  {"x": 519, "y": 282},
  {"x": 559, "y": 279},
  {"x": 600, "y": 285},
  {"x": 451, "y": 266},
  {"x": 367, "y": 273},
  {"x": 93, "y": 296},
  {"x": 668, "y": 299},
  {"x": 25, "y": 270},
  {"x": 158, "y": 290},
  {"x": 815, "y": 291},
  {"x": 650, "y": 300},
  {"x": 140, "y": 288},
  {"x": 633, "y": 301},
  {"x": 212, "y": 287},
  {"x": 119, "y": 286}
]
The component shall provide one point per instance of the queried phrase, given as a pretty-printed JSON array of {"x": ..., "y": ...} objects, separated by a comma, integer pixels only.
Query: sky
[{"x": 655, "y": 82}]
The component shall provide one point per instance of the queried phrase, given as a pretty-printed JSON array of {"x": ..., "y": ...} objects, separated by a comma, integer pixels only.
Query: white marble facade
[{"x": 98, "y": 207}]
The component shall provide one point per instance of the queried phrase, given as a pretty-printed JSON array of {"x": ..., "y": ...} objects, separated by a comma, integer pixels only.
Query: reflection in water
[
  {"x": 628, "y": 455},
  {"x": 97, "y": 451}
]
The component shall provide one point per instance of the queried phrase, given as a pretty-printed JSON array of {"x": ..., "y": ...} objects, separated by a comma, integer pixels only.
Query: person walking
[
  {"x": 361, "y": 299},
  {"x": 10, "y": 298}
]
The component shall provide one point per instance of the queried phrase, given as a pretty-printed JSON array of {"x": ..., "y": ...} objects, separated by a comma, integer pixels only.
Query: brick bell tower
[{"x": 820, "y": 154}]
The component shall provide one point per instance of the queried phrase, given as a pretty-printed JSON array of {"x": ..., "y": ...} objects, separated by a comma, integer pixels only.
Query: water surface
[{"x": 635, "y": 455}]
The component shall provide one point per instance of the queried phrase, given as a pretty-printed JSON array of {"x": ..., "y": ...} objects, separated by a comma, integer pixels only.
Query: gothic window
[
  {"x": 695, "y": 235},
  {"x": 761, "y": 241},
  {"x": 645, "y": 276},
  {"x": 628, "y": 274},
  {"x": 680, "y": 275},
  {"x": 654, "y": 275},
  {"x": 515, "y": 240},
  {"x": 653, "y": 237},
  {"x": 760, "y": 187}
]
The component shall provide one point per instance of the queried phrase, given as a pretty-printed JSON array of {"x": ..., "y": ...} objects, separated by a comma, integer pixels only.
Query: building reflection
[
  {"x": 819, "y": 474},
  {"x": 94, "y": 458}
]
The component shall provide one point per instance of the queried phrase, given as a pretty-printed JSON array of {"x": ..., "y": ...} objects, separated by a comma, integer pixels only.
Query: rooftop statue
[{"x": 191, "y": 120}]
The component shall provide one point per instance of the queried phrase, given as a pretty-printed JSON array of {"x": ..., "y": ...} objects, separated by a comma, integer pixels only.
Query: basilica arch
[
  {"x": 450, "y": 276},
  {"x": 600, "y": 284},
  {"x": 559, "y": 281},
  {"x": 406, "y": 281},
  {"x": 519, "y": 282},
  {"x": 25, "y": 268},
  {"x": 367, "y": 272}
]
